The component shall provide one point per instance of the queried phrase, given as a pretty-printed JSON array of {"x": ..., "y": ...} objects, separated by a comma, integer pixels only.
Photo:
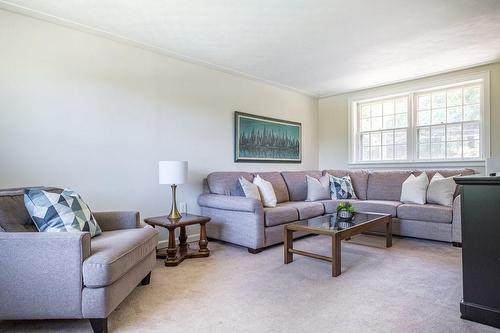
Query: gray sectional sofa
[
  {"x": 68, "y": 275},
  {"x": 244, "y": 221}
]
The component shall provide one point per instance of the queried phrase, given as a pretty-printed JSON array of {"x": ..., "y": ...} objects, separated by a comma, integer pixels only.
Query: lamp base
[{"x": 174, "y": 213}]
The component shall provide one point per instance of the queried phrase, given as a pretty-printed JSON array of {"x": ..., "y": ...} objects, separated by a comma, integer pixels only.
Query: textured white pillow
[
  {"x": 250, "y": 190},
  {"x": 414, "y": 189},
  {"x": 318, "y": 189},
  {"x": 441, "y": 190},
  {"x": 266, "y": 192}
]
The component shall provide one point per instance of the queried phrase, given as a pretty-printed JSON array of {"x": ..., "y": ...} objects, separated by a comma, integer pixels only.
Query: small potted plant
[{"x": 345, "y": 210}]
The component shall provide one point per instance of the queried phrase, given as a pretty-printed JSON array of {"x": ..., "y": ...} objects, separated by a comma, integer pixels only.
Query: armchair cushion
[{"x": 115, "y": 252}]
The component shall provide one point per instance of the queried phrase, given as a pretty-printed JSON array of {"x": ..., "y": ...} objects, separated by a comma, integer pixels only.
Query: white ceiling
[{"x": 320, "y": 47}]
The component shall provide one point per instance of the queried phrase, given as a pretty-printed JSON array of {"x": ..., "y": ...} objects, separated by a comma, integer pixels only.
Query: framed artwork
[{"x": 263, "y": 139}]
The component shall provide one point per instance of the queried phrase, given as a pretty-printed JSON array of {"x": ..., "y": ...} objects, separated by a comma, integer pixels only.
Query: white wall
[
  {"x": 94, "y": 115},
  {"x": 334, "y": 115}
]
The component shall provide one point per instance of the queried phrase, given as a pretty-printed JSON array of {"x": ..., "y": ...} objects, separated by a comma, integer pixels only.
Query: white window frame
[{"x": 410, "y": 89}]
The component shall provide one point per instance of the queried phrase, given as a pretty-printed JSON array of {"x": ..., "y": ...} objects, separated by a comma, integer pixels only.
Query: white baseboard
[{"x": 191, "y": 238}]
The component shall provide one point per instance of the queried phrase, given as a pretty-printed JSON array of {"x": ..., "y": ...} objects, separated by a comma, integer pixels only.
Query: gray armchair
[{"x": 70, "y": 275}]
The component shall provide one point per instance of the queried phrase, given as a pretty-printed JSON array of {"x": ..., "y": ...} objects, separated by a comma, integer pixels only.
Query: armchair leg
[
  {"x": 99, "y": 325},
  {"x": 146, "y": 279}
]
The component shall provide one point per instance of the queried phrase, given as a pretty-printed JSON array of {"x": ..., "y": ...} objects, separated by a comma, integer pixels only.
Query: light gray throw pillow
[
  {"x": 441, "y": 190},
  {"x": 318, "y": 189}
]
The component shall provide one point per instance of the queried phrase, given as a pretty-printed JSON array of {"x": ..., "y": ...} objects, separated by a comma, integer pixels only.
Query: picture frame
[{"x": 259, "y": 139}]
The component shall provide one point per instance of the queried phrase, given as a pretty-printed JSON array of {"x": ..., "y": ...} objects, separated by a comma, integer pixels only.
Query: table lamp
[{"x": 173, "y": 173}]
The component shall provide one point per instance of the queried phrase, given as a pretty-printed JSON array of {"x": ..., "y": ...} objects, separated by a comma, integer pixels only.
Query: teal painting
[{"x": 262, "y": 139}]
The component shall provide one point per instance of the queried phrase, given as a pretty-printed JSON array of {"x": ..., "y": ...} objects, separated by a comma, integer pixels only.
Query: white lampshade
[
  {"x": 492, "y": 166},
  {"x": 173, "y": 172}
]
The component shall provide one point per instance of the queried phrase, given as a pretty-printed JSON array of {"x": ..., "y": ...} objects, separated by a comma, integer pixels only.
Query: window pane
[
  {"x": 454, "y": 149},
  {"x": 471, "y": 131},
  {"x": 400, "y": 152},
  {"x": 424, "y": 151},
  {"x": 424, "y": 135},
  {"x": 388, "y": 107},
  {"x": 375, "y": 153},
  {"x": 365, "y": 124},
  {"x": 365, "y": 111},
  {"x": 376, "y": 123},
  {"x": 471, "y": 95},
  {"x": 437, "y": 133},
  {"x": 424, "y": 102},
  {"x": 424, "y": 117},
  {"x": 438, "y": 116},
  {"x": 377, "y": 110},
  {"x": 365, "y": 139},
  {"x": 471, "y": 148},
  {"x": 454, "y": 114},
  {"x": 454, "y": 97},
  {"x": 387, "y": 138},
  {"x": 365, "y": 154},
  {"x": 400, "y": 137},
  {"x": 388, "y": 122},
  {"x": 376, "y": 139},
  {"x": 472, "y": 112},
  {"x": 401, "y": 120},
  {"x": 439, "y": 99},
  {"x": 437, "y": 150},
  {"x": 402, "y": 105},
  {"x": 454, "y": 132},
  {"x": 388, "y": 152}
]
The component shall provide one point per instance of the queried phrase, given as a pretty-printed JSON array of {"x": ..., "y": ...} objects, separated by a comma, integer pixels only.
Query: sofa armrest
[
  {"x": 233, "y": 203},
  {"x": 109, "y": 221},
  {"x": 456, "y": 226},
  {"x": 41, "y": 274}
]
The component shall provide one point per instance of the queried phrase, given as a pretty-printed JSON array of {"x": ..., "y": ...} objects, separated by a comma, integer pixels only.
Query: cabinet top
[{"x": 477, "y": 180}]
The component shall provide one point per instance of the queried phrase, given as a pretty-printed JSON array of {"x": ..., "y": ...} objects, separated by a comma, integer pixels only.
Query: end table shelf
[{"x": 175, "y": 254}]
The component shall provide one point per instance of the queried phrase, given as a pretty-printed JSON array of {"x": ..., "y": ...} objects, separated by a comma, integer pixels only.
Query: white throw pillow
[
  {"x": 318, "y": 189},
  {"x": 266, "y": 192},
  {"x": 414, "y": 189},
  {"x": 250, "y": 190},
  {"x": 441, "y": 190}
]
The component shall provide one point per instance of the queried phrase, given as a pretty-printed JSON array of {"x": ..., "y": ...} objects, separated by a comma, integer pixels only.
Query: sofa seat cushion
[
  {"x": 279, "y": 215},
  {"x": 330, "y": 206},
  {"x": 427, "y": 212},
  {"x": 305, "y": 209},
  {"x": 114, "y": 253}
]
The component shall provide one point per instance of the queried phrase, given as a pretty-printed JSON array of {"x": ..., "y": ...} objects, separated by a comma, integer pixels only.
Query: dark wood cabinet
[{"x": 480, "y": 199}]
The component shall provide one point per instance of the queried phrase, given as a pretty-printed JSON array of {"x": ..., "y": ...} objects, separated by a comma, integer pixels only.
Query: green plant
[{"x": 345, "y": 206}]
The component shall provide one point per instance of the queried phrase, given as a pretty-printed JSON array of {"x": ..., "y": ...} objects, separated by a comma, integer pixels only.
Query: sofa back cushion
[
  {"x": 297, "y": 183},
  {"x": 227, "y": 183},
  {"x": 13, "y": 214},
  {"x": 359, "y": 179},
  {"x": 278, "y": 183},
  {"x": 386, "y": 185}
]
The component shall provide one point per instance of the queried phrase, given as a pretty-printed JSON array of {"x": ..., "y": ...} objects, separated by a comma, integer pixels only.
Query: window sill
[{"x": 418, "y": 164}]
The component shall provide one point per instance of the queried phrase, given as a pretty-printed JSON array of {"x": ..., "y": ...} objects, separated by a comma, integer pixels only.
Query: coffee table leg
[
  {"x": 203, "y": 243},
  {"x": 388, "y": 233},
  {"x": 288, "y": 245},
  {"x": 336, "y": 257},
  {"x": 172, "y": 248}
]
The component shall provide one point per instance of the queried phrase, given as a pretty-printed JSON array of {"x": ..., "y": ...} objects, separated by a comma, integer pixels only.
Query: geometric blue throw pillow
[
  {"x": 65, "y": 212},
  {"x": 341, "y": 188}
]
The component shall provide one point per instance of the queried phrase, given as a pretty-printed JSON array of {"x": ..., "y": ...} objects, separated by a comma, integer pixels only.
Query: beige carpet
[{"x": 413, "y": 287}]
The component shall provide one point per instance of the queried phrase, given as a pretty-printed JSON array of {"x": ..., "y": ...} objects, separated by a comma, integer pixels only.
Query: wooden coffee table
[
  {"x": 338, "y": 229},
  {"x": 174, "y": 254}
]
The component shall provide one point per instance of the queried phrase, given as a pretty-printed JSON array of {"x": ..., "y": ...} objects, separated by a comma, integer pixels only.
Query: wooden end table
[{"x": 174, "y": 254}]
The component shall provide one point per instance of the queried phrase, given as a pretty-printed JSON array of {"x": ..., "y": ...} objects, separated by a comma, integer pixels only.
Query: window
[
  {"x": 448, "y": 123},
  {"x": 445, "y": 122},
  {"x": 384, "y": 129}
]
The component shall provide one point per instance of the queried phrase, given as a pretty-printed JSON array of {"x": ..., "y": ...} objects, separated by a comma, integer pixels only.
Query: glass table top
[{"x": 333, "y": 223}]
